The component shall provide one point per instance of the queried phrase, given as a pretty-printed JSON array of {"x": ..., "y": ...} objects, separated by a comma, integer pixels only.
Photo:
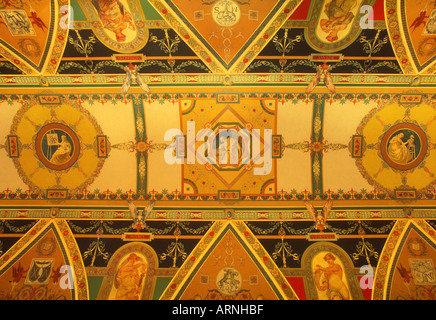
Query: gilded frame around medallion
[
  {"x": 143, "y": 252},
  {"x": 329, "y": 250}
]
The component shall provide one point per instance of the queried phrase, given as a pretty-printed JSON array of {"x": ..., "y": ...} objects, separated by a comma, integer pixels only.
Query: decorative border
[
  {"x": 59, "y": 44},
  {"x": 220, "y": 213},
  {"x": 75, "y": 258},
  {"x": 194, "y": 80},
  {"x": 395, "y": 36}
]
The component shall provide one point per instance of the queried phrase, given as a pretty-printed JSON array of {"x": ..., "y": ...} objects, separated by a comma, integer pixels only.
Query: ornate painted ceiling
[{"x": 323, "y": 188}]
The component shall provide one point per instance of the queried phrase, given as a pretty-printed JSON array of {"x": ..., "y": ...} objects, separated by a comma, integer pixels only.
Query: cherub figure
[{"x": 419, "y": 20}]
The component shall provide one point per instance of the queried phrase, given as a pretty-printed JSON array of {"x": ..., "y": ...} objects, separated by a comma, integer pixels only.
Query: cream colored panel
[
  {"x": 7, "y": 113},
  {"x": 340, "y": 172},
  {"x": 294, "y": 171},
  {"x": 294, "y": 121},
  {"x": 9, "y": 175},
  {"x": 118, "y": 124},
  {"x": 342, "y": 120},
  {"x": 159, "y": 118},
  {"x": 116, "y": 120},
  {"x": 118, "y": 172},
  {"x": 340, "y": 124}
]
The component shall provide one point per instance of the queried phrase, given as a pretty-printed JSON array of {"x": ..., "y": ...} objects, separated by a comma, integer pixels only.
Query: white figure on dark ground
[
  {"x": 132, "y": 74},
  {"x": 139, "y": 218}
]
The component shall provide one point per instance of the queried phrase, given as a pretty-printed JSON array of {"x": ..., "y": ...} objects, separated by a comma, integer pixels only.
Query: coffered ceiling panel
[{"x": 266, "y": 142}]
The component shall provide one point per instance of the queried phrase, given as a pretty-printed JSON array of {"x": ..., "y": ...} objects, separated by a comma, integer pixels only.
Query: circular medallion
[
  {"x": 396, "y": 153},
  {"x": 404, "y": 146},
  {"x": 226, "y": 13},
  {"x": 229, "y": 280},
  {"x": 57, "y": 146},
  {"x": 59, "y": 154}
]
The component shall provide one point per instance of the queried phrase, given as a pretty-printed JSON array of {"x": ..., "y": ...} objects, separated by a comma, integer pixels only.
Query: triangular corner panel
[
  {"x": 406, "y": 270},
  {"x": 226, "y": 34},
  {"x": 412, "y": 30},
  {"x": 32, "y": 36},
  {"x": 45, "y": 264},
  {"x": 229, "y": 264}
]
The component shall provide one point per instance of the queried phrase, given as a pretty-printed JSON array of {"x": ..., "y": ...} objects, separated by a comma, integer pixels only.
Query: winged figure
[
  {"x": 139, "y": 218},
  {"x": 405, "y": 273},
  {"x": 132, "y": 74},
  {"x": 37, "y": 20},
  {"x": 320, "y": 218},
  {"x": 56, "y": 274},
  {"x": 322, "y": 74},
  {"x": 18, "y": 273},
  {"x": 419, "y": 20}
]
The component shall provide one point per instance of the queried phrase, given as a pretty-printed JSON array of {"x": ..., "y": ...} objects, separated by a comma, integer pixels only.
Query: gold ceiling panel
[{"x": 319, "y": 194}]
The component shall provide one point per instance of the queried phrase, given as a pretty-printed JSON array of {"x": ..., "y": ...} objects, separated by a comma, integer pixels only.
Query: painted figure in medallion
[
  {"x": 129, "y": 278},
  {"x": 402, "y": 152},
  {"x": 329, "y": 279},
  {"x": 114, "y": 17},
  {"x": 229, "y": 281},
  {"x": 339, "y": 17},
  {"x": 62, "y": 153}
]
